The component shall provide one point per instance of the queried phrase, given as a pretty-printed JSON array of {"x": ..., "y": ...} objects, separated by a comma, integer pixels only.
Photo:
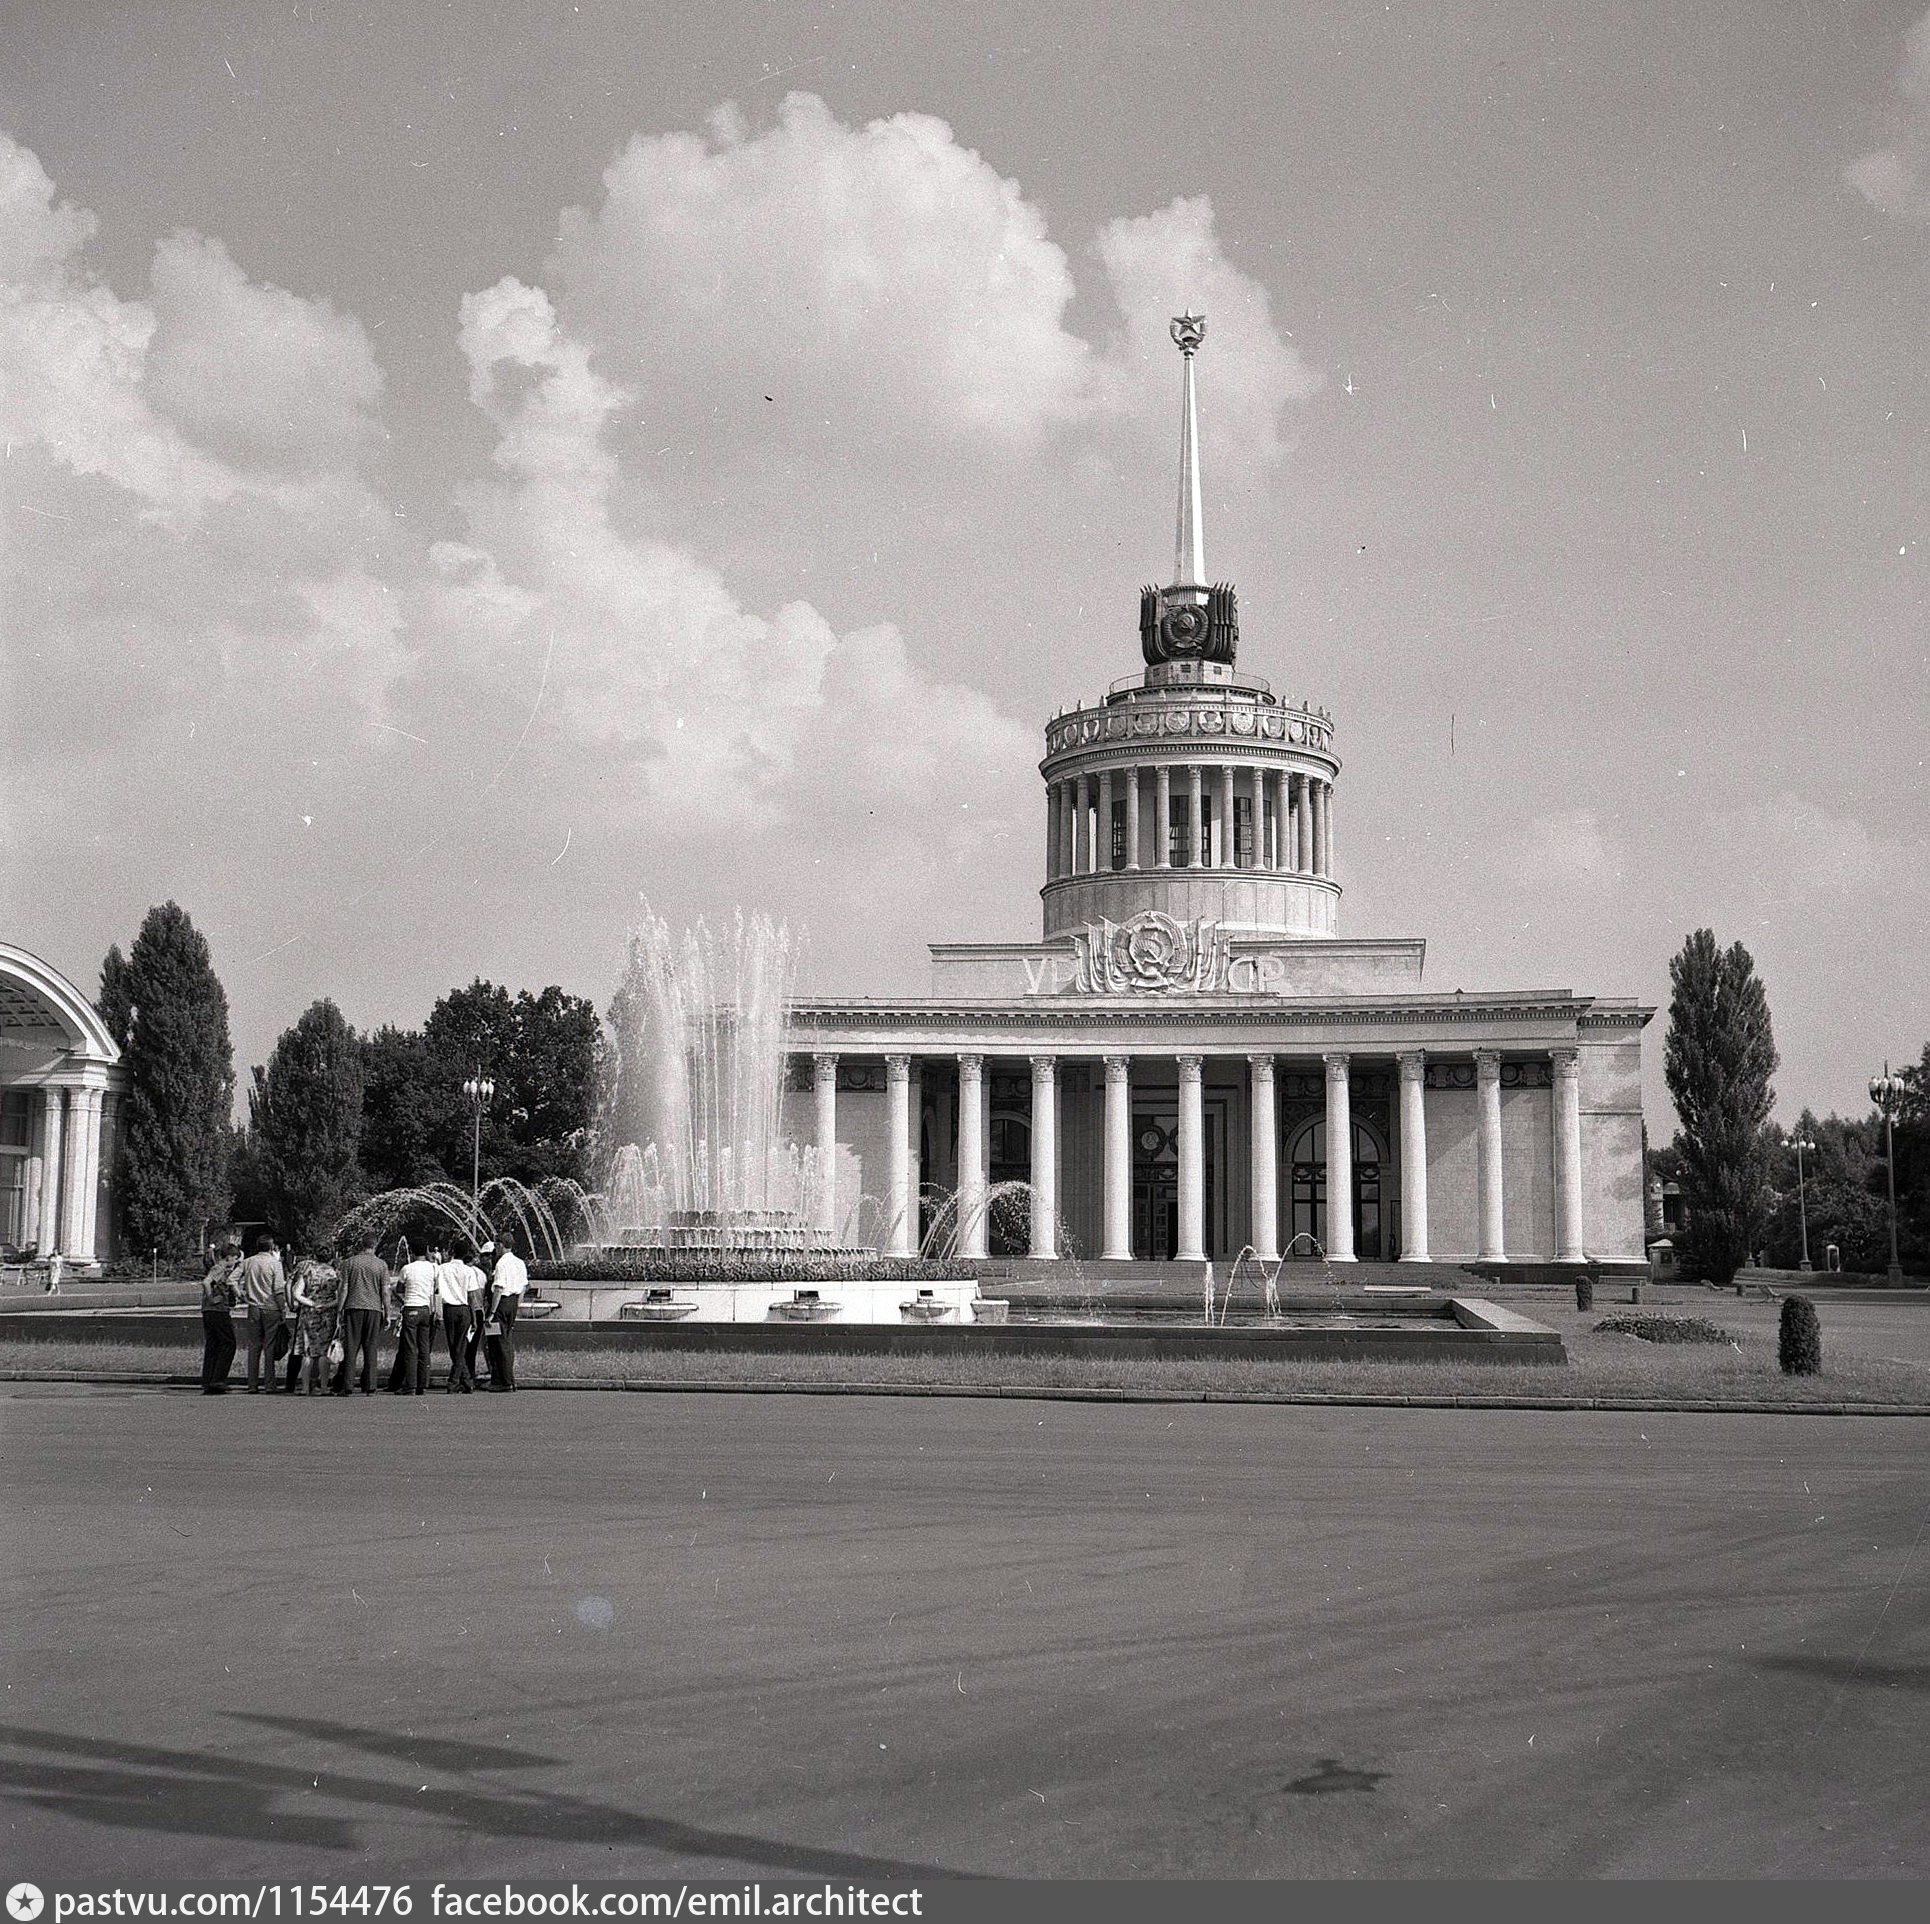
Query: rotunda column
[
  {"x": 1281, "y": 856},
  {"x": 971, "y": 1239},
  {"x": 1487, "y": 1093},
  {"x": 1302, "y": 827},
  {"x": 1192, "y": 1164},
  {"x": 1568, "y": 1155},
  {"x": 1224, "y": 790},
  {"x": 1052, "y": 831},
  {"x": 1045, "y": 1156},
  {"x": 1326, "y": 828},
  {"x": 1082, "y": 826},
  {"x": 900, "y": 1207},
  {"x": 1317, "y": 817},
  {"x": 824, "y": 1093},
  {"x": 1102, "y": 858},
  {"x": 1340, "y": 1158},
  {"x": 1163, "y": 817},
  {"x": 1132, "y": 818},
  {"x": 1118, "y": 1239},
  {"x": 1413, "y": 1067},
  {"x": 1195, "y": 819},
  {"x": 1263, "y": 1126}
]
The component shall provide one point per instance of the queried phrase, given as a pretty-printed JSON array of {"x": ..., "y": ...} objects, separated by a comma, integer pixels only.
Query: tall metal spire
[{"x": 1189, "y": 546}]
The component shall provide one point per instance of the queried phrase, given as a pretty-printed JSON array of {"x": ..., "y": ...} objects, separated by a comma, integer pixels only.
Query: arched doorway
[
  {"x": 1010, "y": 1160},
  {"x": 1307, "y": 1189}
]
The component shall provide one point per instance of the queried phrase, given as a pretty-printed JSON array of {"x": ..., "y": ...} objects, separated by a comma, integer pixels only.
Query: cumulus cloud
[
  {"x": 884, "y": 283},
  {"x": 1569, "y": 850},
  {"x": 1893, "y": 178},
  {"x": 1788, "y": 845},
  {"x": 645, "y": 653}
]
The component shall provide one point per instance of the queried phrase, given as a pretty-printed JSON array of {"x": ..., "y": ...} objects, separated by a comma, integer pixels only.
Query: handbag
[{"x": 337, "y": 1355}]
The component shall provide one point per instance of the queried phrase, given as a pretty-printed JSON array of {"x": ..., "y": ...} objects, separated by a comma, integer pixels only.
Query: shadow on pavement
[
  {"x": 202, "y": 1793},
  {"x": 1847, "y": 1670}
]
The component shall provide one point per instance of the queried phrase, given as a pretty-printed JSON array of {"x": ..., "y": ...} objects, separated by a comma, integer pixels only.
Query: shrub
[
  {"x": 1664, "y": 1329},
  {"x": 1799, "y": 1338},
  {"x": 1584, "y": 1292}
]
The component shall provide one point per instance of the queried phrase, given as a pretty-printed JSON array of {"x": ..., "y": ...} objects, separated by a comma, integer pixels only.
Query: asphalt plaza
[{"x": 608, "y": 1635}]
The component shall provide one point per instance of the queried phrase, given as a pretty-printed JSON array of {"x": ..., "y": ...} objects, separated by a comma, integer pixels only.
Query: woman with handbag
[{"x": 318, "y": 1307}]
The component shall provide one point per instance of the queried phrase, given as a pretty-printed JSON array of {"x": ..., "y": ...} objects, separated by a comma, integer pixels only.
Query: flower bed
[
  {"x": 1664, "y": 1329},
  {"x": 657, "y": 1266}
]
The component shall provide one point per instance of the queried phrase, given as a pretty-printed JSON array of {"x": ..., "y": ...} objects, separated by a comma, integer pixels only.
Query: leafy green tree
[
  {"x": 180, "y": 1084},
  {"x": 1718, "y": 1057},
  {"x": 305, "y": 1121}
]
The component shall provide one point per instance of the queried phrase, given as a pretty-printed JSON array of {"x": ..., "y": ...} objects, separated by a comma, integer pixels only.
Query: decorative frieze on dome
[{"x": 1088, "y": 727}]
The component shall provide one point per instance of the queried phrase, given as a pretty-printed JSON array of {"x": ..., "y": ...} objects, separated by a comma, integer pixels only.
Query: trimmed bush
[
  {"x": 1584, "y": 1292},
  {"x": 1664, "y": 1329},
  {"x": 1799, "y": 1338},
  {"x": 618, "y": 1265}
]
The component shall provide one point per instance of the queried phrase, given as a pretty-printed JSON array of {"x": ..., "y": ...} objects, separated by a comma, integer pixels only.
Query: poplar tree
[
  {"x": 1718, "y": 1058},
  {"x": 173, "y": 1177},
  {"x": 305, "y": 1126}
]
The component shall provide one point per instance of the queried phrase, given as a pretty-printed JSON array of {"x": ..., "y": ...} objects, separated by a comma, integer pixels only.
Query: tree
[
  {"x": 402, "y": 1105},
  {"x": 1718, "y": 1058},
  {"x": 116, "y": 1000},
  {"x": 305, "y": 1119},
  {"x": 180, "y": 1084}
]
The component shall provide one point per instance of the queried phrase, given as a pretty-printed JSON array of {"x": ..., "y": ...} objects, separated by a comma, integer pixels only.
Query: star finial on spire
[
  {"x": 1189, "y": 563},
  {"x": 1188, "y": 331}
]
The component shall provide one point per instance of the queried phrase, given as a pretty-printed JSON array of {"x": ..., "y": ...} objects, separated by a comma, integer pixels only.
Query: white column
[
  {"x": 1302, "y": 828},
  {"x": 1568, "y": 1156},
  {"x": 1192, "y": 1164},
  {"x": 1082, "y": 826},
  {"x": 1052, "y": 831},
  {"x": 901, "y": 1206},
  {"x": 1326, "y": 828},
  {"x": 1103, "y": 859},
  {"x": 1414, "y": 1157},
  {"x": 1117, "y": 1220},
  {"x": 1263, "y": 1127},
  {"x": 1065, "y": 828},
  {"x": 1317, "y": 816},
  {"x": 1340, "y": 1159},
  {"x": 93, "y": 1106},
  {"x": 1225, "y": 793},
  {"x": 1195, "y": 820},
  {"x": 971, "y": 1156},
  {"x": 1487, "y": 1089},
  {"x": 1045, "y": 1156},
  {"x": 73, "y": 1176},
  {"x": 43, "y": 1197},
  {"x": 1279, "y": 858},
  {"x": 1132, "y": 818},
  {"x": 1163, "y": 812},
  {"x": 824, "y": 1092}
]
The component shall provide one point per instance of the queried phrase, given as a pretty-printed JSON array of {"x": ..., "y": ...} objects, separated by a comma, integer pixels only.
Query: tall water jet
[{"x": 693, "y": 1124}]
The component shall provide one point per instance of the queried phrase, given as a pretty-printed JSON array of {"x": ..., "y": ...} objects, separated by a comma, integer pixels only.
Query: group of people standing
[{"x": 326, "y": 1322}]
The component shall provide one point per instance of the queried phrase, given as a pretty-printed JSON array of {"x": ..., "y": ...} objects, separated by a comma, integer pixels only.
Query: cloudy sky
[{"x": 468, "y": 467}]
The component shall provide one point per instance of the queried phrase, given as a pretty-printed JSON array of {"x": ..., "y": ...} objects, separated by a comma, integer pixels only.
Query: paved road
[{"x": 637, "y": 1635}]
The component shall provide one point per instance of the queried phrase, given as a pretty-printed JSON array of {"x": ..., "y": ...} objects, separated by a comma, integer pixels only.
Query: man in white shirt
[
  {"x": 415, "y": 1290},
  {"x": 456, "y": 1281},
  {"x": 507, "y": 1281}
]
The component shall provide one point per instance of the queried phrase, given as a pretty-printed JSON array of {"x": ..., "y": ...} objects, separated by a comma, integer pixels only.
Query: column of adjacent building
[
  {"x": 1263, "y": 1134},
  {"x": 1045, "y": 1156},
  {"x": 1490, "y": 1242},
  {"x": 1568, "y": 1156},
  {"x": 1413, "y": 1075},
  {"x": 1340, "y": 1158},
  {"x": 972, "y": 1238}
]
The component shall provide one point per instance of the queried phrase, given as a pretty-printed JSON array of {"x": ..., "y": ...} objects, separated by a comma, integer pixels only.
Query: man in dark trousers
[
  {"x": 365, "y": 1308},
  {"x": 456, "y": 1282},
  {"x": 507, "y": 1280},
  {"x": 217, "y": 1319}
]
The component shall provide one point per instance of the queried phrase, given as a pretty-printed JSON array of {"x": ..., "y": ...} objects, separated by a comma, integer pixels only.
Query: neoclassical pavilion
[
  {"x": 1193, "y": 1059},
  {"x": 60, "y": 1086}
]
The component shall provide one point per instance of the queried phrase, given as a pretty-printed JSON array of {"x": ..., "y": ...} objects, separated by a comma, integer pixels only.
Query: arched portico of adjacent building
[{"x": 60, "y": 1090}]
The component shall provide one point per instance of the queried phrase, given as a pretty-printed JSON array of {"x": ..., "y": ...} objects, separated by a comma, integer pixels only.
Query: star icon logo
[{"x": 25, "y": 1902}]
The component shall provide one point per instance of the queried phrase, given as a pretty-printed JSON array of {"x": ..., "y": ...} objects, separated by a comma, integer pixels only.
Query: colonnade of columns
[
  {"x": 1094, "y": 822},
  {"x": 62, "y": 1205},
  {"x": 974, "y": 1134}
]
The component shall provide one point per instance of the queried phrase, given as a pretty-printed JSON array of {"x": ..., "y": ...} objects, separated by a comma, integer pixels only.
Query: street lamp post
[
  {"x": 1887, "y": 1092},
  {"x": 1802, "y": 1146},
  {"x": 479, "y": 1089}
]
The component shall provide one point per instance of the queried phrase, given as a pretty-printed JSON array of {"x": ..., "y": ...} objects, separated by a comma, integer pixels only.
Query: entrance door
[
  {"x": 1156, "y": 1183},
  {"x": 1307, "y": 1190}
]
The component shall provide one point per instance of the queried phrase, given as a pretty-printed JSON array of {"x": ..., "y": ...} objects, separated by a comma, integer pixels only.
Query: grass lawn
[{"x": 1610, "y": 1366}]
